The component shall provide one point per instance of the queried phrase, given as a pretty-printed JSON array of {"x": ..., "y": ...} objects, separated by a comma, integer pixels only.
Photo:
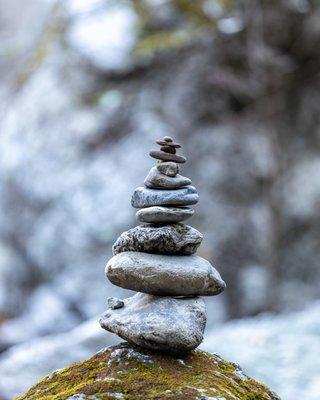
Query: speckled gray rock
[
  {"x": 144, "y": 197},
  {"x": 158, "y": 323},
  {"x": 164, "y": 275},
  {"x": 156, "y": 179},
  {"x": 168, "y": 168},
  {"x": 114, "y": 303},
  {"x": 165, "y": 239},
  {"x": 164, "y": 214}
]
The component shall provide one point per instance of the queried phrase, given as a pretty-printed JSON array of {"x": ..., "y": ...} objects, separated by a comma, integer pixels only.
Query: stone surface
[
  {"x": 131, "y": 373},
  {"x": 145, "y": 197},
  {"x": 114, "y": 303},
  {"x": 166, "y": 239},
  {"x": 158, "y": 323},
  {"x": 168, "y": 168},
  {"x": 161, "y": 155},
  {"x": 164, "y": 214},
  {"x": 156, "y": 179},
  {"x": 168, "y": 149},
  {"x": 164, "y": 275}
]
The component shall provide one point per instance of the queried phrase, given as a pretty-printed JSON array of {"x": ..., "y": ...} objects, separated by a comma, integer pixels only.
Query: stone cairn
[{"x": 157, "y": 260}]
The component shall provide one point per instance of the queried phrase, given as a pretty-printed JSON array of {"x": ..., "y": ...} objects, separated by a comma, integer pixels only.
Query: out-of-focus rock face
[
  {"x": 145, "y": 375},
  {"x": 78, "y": 113}
]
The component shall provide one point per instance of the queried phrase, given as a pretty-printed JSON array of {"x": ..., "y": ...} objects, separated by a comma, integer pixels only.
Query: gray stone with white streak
[
  {"x": 158, "y": 323},
  {"x": 164, "y": 214},
  {"x": 164, "y": 275},
  {"x": 144, "y": 197},
  {"x": 157, "y": 180},
  {"x": 166, "y": 239}
]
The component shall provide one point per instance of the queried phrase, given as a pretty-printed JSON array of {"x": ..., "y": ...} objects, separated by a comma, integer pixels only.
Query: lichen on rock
[{"x": 131, "y": 373}]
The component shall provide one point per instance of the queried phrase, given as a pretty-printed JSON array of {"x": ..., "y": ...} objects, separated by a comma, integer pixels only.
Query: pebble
[
  {"x": 114, "y": 303},
  {"x": 161, "y": 155},
  {"x": 157, "y": 180},
  {"x": 145, "y": 197},
  {"x": 158, "y": 323},
  {"x": 168, "y": 168},
  {"x": 165, "y": 239},
  {"x": 164, "y": 275},
  {"x": 158, "y": 214},
  {"x": 168, "y": 149}
]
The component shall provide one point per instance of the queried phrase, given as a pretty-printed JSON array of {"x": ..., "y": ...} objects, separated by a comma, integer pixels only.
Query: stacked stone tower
[{"x": 157, "y": 260}]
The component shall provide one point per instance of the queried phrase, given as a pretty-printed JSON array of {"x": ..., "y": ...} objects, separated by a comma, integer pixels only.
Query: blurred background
[{"x": 86, "y": 87}]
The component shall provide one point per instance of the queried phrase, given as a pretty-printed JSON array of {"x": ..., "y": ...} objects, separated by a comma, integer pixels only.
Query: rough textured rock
[
  {"x": 144, "y": 197},
  {"x": 156, "y": 179},
  {"x": 158, "y": 323},
  {"x": 130, "y": 373},
  {"x": 168, "y": 168},
  {"x": 114, "y": 303},
  {"x": 164, "y": 275},
  {"x": 166, "y": 239},
  {"x": 164, "y": 214}
]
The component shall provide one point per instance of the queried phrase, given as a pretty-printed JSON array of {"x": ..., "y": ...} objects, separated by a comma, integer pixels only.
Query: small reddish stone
[{"x": 168, "y": 149}]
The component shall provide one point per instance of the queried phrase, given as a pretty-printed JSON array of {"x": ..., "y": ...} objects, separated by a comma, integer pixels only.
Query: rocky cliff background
[{"x": 86, "y": 88}]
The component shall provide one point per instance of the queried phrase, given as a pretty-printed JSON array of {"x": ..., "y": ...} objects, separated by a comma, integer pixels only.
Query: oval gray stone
[
  {"x": 164, "y": 275},
  {"x": 164, "y": 239},
  {"x": 158, "y": 323},
  {"x": 144, "y": 197},
  {"x": 168, "y": 168},
  {"x": 164, "y": 214},
  {"x": 157, "y": 180}
]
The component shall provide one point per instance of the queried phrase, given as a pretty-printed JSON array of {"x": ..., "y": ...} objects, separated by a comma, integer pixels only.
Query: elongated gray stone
[
  {"x": 164, "y": 275},
  {"x": 157, "y": 180},
  {"x": 168, "y": 168},
  {"x": 144, "y": 197},
  {"x": 165, "y": 239},
  {"x": 164, "y": 214},
  {"x": 158, "y": 323}
]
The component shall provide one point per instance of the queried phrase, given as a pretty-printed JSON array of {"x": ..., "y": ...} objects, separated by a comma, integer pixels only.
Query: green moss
[{"x": 131, "y": 373}]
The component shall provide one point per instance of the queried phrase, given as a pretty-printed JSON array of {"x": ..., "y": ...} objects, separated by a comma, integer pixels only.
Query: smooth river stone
[
  {"x": 145, "y": 197},
  {"x": 168, "y": 168},
  {"x": 158, "y": 323},
  {"x": 164, "y": 214},
  {"x": 157, "y": 180},
  {"x": 164, "y": 275},
  {"x": 161, "y": 155},
  {"x": 165, "y": 239}
]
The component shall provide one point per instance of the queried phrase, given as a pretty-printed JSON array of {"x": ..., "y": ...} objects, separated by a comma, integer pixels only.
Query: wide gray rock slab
[
  {"x": 164, "y": 214},
  {"x": 158, "y": 323},
  {"x": 164, "y": 275},
  {"x": 157, "y": 180},
  {"x": 165, "y": 239},
  {"x": 144, "y": 197},
  {"x": 168, "y": 168}
]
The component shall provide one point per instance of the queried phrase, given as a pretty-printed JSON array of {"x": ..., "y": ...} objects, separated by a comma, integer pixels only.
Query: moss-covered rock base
[{"x": 131, "y": 373}]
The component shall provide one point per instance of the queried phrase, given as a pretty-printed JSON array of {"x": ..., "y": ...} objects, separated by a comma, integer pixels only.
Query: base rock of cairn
[{"x": 157, "y": 260}]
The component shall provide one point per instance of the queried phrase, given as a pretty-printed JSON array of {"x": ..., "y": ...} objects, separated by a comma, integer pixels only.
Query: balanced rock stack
[{"x": 157, "y": 260}]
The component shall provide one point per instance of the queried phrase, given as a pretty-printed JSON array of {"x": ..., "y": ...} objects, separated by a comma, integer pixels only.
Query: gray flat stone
[
  {"x": 164, "y": 275},
  {"x": 158, "y": 323},
  {"x": 165, "y": 239},
  {"x": 114, "y": 303},
  {"x": 157, "y": 180},
  {"x": 144, "y": 197},
  {"x": 168, "y": 168},
  {"x": 164, "y": 214}
]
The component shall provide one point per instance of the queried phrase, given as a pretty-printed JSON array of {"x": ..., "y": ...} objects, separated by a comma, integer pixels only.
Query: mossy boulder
[{"x": 131, "y": 373}]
